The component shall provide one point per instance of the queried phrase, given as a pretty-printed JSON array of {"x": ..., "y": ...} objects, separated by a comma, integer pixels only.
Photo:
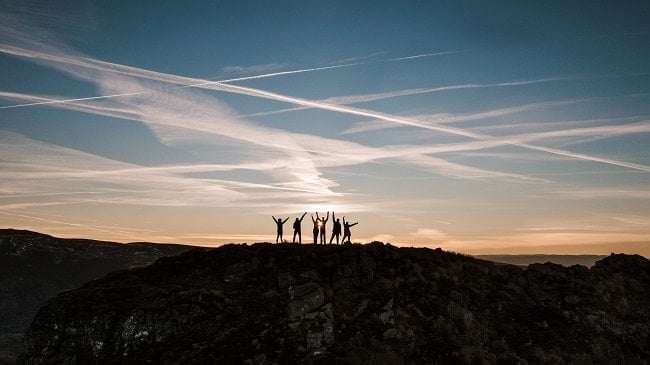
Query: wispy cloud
[
  {"x": 254, "y": 69},
  {"x": 447, "y": 118},
  {"x": 640, "y": 192},
  {"x": 108, "y": 230},
  {"x": 100, "y": 65},
  {"x": 203, "y": 119},
  {"x": 221, "y": 86},
  {"x": 134, "y": 108},
  {"x": 430, "y": 234}
]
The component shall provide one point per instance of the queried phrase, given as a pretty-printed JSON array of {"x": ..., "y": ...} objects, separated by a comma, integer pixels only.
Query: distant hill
[
  {"x": 525, "y": 260},
  {"x": 35, "y": 267},
  {"x": 354, "y": 304}
]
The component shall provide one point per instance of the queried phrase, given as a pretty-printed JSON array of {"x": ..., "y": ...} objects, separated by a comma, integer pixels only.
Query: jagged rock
[
  {"x": 387, "y": 315},
  {"x": 321, "y": 335},
  {"x": 350, "y": 304},
  {"x": 361, "y": 307},
  {"x": 306, "y": 303}
]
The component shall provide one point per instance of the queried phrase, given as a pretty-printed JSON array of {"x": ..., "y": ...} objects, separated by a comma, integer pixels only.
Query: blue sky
[{"x": 479, "y": 127}]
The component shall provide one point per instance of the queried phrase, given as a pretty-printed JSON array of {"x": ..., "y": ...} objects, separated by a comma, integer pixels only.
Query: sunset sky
[{"x": 478, "y": 127}]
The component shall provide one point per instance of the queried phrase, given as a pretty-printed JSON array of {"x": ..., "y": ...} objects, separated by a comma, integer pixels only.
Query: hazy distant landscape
[{"x": 525, "y": 260}]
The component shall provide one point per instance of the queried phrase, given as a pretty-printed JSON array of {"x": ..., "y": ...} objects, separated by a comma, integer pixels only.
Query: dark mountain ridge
[{"x": 354, "y": 304}]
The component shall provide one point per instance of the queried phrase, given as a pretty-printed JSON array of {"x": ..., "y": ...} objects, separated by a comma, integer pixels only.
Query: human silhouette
[
  {"x": 323, "y": 228},
  {"x": 336, "y": 230},
  {"x": 316, "y": 227},
  {"x": 297, "y": 228},
  {"x": 279, "y": 222},
  {"x": 346, "y": 230}
]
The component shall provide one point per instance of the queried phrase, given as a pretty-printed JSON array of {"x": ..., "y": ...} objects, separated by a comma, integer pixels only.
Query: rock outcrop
[{"x": 354, "y": 304}]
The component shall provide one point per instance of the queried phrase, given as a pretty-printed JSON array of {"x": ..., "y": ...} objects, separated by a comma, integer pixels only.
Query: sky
[{"x": 485, "y": 127}]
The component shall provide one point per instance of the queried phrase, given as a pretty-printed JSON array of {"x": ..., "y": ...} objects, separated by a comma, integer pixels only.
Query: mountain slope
[
  {"x": 352, "y": 304},
  {"x": 35, "y": 267}
]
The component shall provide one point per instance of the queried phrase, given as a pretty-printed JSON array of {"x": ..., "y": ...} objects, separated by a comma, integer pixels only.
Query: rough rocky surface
[
  {"x": 355, "y": 304},
  {"x": 35, "y": 267}
]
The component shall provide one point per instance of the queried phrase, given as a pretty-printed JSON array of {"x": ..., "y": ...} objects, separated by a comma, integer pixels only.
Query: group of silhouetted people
[{"x": 319, "y": 228}]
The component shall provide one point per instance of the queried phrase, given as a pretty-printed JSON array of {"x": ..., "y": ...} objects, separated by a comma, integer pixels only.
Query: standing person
[
  {"x": 346, "y": 230},
  {"x": 323, "y": 228},
  {"x": 279, "y": 222},
  {"x": 336, "y": 231},
  {"x": 316, "y": 225},
  {"x": 297, "y": 228}
]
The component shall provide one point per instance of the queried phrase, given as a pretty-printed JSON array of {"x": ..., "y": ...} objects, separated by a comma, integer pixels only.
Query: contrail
[
  {"x": 281, "y": 73},
  {"x": 581, "y": 156},
  {"x": 64, "y": 101},
  {"x": 413, "y": 123},
  {"x": 33, "y": 54},
  {"x": 420, "y": 56},
  {"x": 220, "y": 86},
  {"x": 68, "y": 224}
]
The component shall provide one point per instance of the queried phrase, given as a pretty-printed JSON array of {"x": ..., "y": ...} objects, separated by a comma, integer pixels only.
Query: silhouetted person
[
  {"x": 279, "y": 222},
  {"x": 336, "y": 231},
  {"x": 346, "y": 230},
  {"x": 297, "y": 228},
  {"x": 323, "y": 228},
  {"x": 316, "y": 227}
]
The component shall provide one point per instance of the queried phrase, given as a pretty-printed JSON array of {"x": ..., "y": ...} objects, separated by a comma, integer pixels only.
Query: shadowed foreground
[
  {"x": 348, "y": 304},
  {"x": 34, "y": 267}
]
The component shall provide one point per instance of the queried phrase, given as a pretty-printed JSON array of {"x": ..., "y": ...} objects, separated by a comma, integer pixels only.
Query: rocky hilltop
[
  {"x": 354, "y": 304},
  {"x": 35, "y": 267}
]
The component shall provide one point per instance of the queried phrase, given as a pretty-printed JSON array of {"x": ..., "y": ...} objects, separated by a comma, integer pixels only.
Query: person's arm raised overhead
[
  {"x": 275, "y": 220},
  {"x": 303, "y": 216},
  {"x": 285, "y": 221}
]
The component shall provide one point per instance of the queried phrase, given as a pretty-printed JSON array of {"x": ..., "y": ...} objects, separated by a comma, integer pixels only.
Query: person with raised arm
[
  {"x": 279, "y": 222},
  {"x": 297, "y": 228},
  {"x": 316, "y": 227},
  {"x": 336, "y": 230},
  {"x": 323, "y": 228},
  {"x": 346, "y": 230}
]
